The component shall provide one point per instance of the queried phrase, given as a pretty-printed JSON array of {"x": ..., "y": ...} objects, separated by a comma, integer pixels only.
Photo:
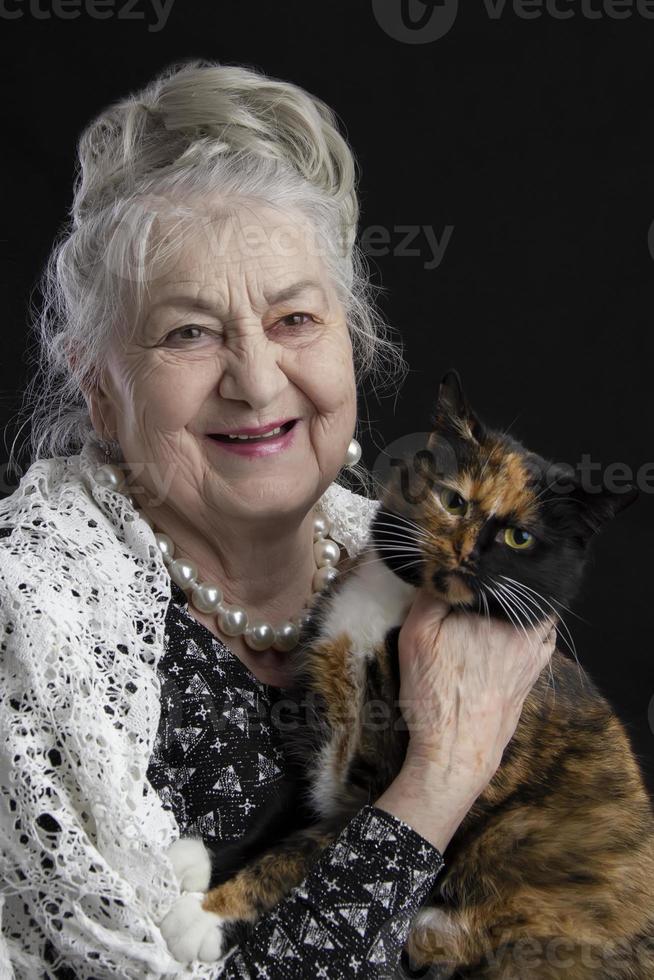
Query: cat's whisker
[
  {"x": 398, "y": 517},
  {"x": 406, "y": 528},
  {"x": 401, "y": 532},
  {"x": 523, "y": 602},
  {"x": 396, "y": 552},
  {"x": 419, "y": 533},
  {"x": 396, "y": 543},
  {"x": 517, "y": 625},
  {"x": 569, "y": 639},
  {"x": 511, "y": 603},
  {"x": 485, "y": 466},
  {"x": 371, "y": 561},
  {"x": 410, "y": 563},
  {"x": 545, "y": 489},
  {"x": 527, "y": 589},
  {"x": 555, "y": 601},
  {"x": 482, "y": 594}
]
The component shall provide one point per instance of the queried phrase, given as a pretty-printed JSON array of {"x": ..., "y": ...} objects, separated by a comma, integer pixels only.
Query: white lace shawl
[{"x": 79, "y": 710}]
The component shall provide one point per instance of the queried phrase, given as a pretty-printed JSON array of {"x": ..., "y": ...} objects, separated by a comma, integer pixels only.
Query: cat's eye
[
  {"x": 453, "y": 502},
  {"x": 519, "y": 539}
]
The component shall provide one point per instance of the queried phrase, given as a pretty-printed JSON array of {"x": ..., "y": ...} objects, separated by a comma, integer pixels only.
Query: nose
[
  {"x": 251, "y": 371},
  {"x": 472, "y": 556}
]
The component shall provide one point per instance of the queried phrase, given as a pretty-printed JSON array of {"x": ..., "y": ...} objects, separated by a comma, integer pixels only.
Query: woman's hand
[
  {"x": 463, "y": 682},
  {"x": 464, "y": 679}
]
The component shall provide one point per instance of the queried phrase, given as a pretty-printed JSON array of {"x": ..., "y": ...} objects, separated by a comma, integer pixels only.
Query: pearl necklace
[{"x": 207, "y": 597}]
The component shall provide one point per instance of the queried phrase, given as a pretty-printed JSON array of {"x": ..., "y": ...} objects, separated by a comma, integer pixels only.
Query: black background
[{"x": 532, "y": 138}]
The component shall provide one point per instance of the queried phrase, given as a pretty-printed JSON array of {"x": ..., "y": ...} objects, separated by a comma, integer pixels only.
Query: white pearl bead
[
  {"x": 326, "y": 552},
  {"x": 184, "y": 572},
  {"x": 286, "y": 637},
  {"x": 232, "y": 620},
  {"x": 166, "y": 546},
  {"x": 259, "y": 635},
  {"x": 353, "y": 454},
  {"x": 321, "y": 527},
  {"x": 323, "y": 577},
  {"x": 206, "y": 597},
  {"x": 110, "y": 476}
]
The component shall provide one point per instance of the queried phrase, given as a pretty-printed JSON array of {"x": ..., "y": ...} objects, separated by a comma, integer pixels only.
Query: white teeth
[{"x": 266, "y": 435}]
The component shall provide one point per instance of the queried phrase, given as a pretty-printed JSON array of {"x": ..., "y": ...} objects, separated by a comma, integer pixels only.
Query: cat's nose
[{"x": 471, "y": 558}]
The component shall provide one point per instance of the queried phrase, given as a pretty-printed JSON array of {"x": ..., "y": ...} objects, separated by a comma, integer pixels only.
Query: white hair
[{"x": 199, "y": 128}]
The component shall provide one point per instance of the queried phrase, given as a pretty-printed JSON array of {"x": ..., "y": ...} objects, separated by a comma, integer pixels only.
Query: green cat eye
[
  {"x": 515, "y": 537},
  {"x": 453, "y": 502}
]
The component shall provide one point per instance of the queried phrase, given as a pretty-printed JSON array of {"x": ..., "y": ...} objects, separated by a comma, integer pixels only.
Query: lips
[{"x": 284, "y": 426}]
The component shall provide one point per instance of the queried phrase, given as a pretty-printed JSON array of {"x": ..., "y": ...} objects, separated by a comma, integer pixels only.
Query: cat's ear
[
  {"x": 453, "y": 406},
  {"x": 451, "y": 398},
  {"x": 598, "y": 505}
]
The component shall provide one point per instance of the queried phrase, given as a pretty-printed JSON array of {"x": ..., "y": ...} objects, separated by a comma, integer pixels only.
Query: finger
[
  {"x": 545, "y": 628},
  {"x": 548, "y": 646},
  {"x": 427, "y": 609}
]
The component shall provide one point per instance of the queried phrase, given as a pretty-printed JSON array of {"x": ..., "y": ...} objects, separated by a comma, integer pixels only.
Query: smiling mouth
[{"x": 273, "y": 434}]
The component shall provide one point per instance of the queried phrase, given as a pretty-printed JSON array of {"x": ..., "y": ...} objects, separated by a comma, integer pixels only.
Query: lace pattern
[{"x": 83, "y": 598}]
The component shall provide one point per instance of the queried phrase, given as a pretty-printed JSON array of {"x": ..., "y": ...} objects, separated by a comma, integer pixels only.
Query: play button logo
[{"x": 415, "y": 21}]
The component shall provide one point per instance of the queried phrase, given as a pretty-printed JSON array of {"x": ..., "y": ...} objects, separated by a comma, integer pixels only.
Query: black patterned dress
[{"x": 219, "y": 764}]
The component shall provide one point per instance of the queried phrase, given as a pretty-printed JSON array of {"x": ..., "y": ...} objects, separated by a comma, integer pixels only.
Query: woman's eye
[
  {"x": 453, "y": 502},
  {"x": 181, "y": 330},
  {"x": 516, "y": 538},
  {"x": 290, "y": 317}
]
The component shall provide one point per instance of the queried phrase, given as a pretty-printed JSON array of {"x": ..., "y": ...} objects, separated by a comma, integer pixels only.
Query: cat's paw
[
  {"x": 191, "y": 932},
  {"x": 191, "y": 863}
]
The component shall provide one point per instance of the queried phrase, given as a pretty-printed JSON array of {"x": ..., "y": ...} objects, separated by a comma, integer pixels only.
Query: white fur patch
[
  {"x": 326, "y": 782},
  {"x": 191, "y": 932},
  {"x": 370, "y": 603},
  {"x": 438, "y": 921},
  {"x": 191, "y": 863}
]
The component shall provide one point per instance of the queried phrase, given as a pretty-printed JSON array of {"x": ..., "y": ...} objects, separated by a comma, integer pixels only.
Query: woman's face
[{"x": 241, "y": 331}]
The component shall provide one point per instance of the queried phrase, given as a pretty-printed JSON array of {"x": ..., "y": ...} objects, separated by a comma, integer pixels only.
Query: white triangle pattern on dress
[
  {"x": 188, "y": 738},
  {"x": 377, "y": 830},
  {"x": 267, "y": 768},
  {"x": 280, "y": 945},
  {"x": 238, "y": 715},
  {"x": 198, "y": 687},
  {"x": 227, "y": 782},
  {"x": 317, "y": 934},
  {"x": 195, "y": 651},
  {"x": 355, "y": 915},
  {"x": 248, "y": 696},
  {"x": 381, "y": 891}
]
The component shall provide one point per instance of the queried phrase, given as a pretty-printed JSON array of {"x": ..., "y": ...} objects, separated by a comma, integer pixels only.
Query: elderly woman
[{"x": 206, "y": 323}]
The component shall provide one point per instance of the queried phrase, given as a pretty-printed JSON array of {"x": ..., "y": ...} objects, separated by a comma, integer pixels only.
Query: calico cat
[{"x": 558, "y": 850}]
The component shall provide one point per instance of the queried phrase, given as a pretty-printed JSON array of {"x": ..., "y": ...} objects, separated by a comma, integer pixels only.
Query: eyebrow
[{"x": 194, "y": 303}]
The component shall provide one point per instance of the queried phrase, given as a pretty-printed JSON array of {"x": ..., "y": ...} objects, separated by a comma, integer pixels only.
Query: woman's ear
[{"x": 94, "y": 398}]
